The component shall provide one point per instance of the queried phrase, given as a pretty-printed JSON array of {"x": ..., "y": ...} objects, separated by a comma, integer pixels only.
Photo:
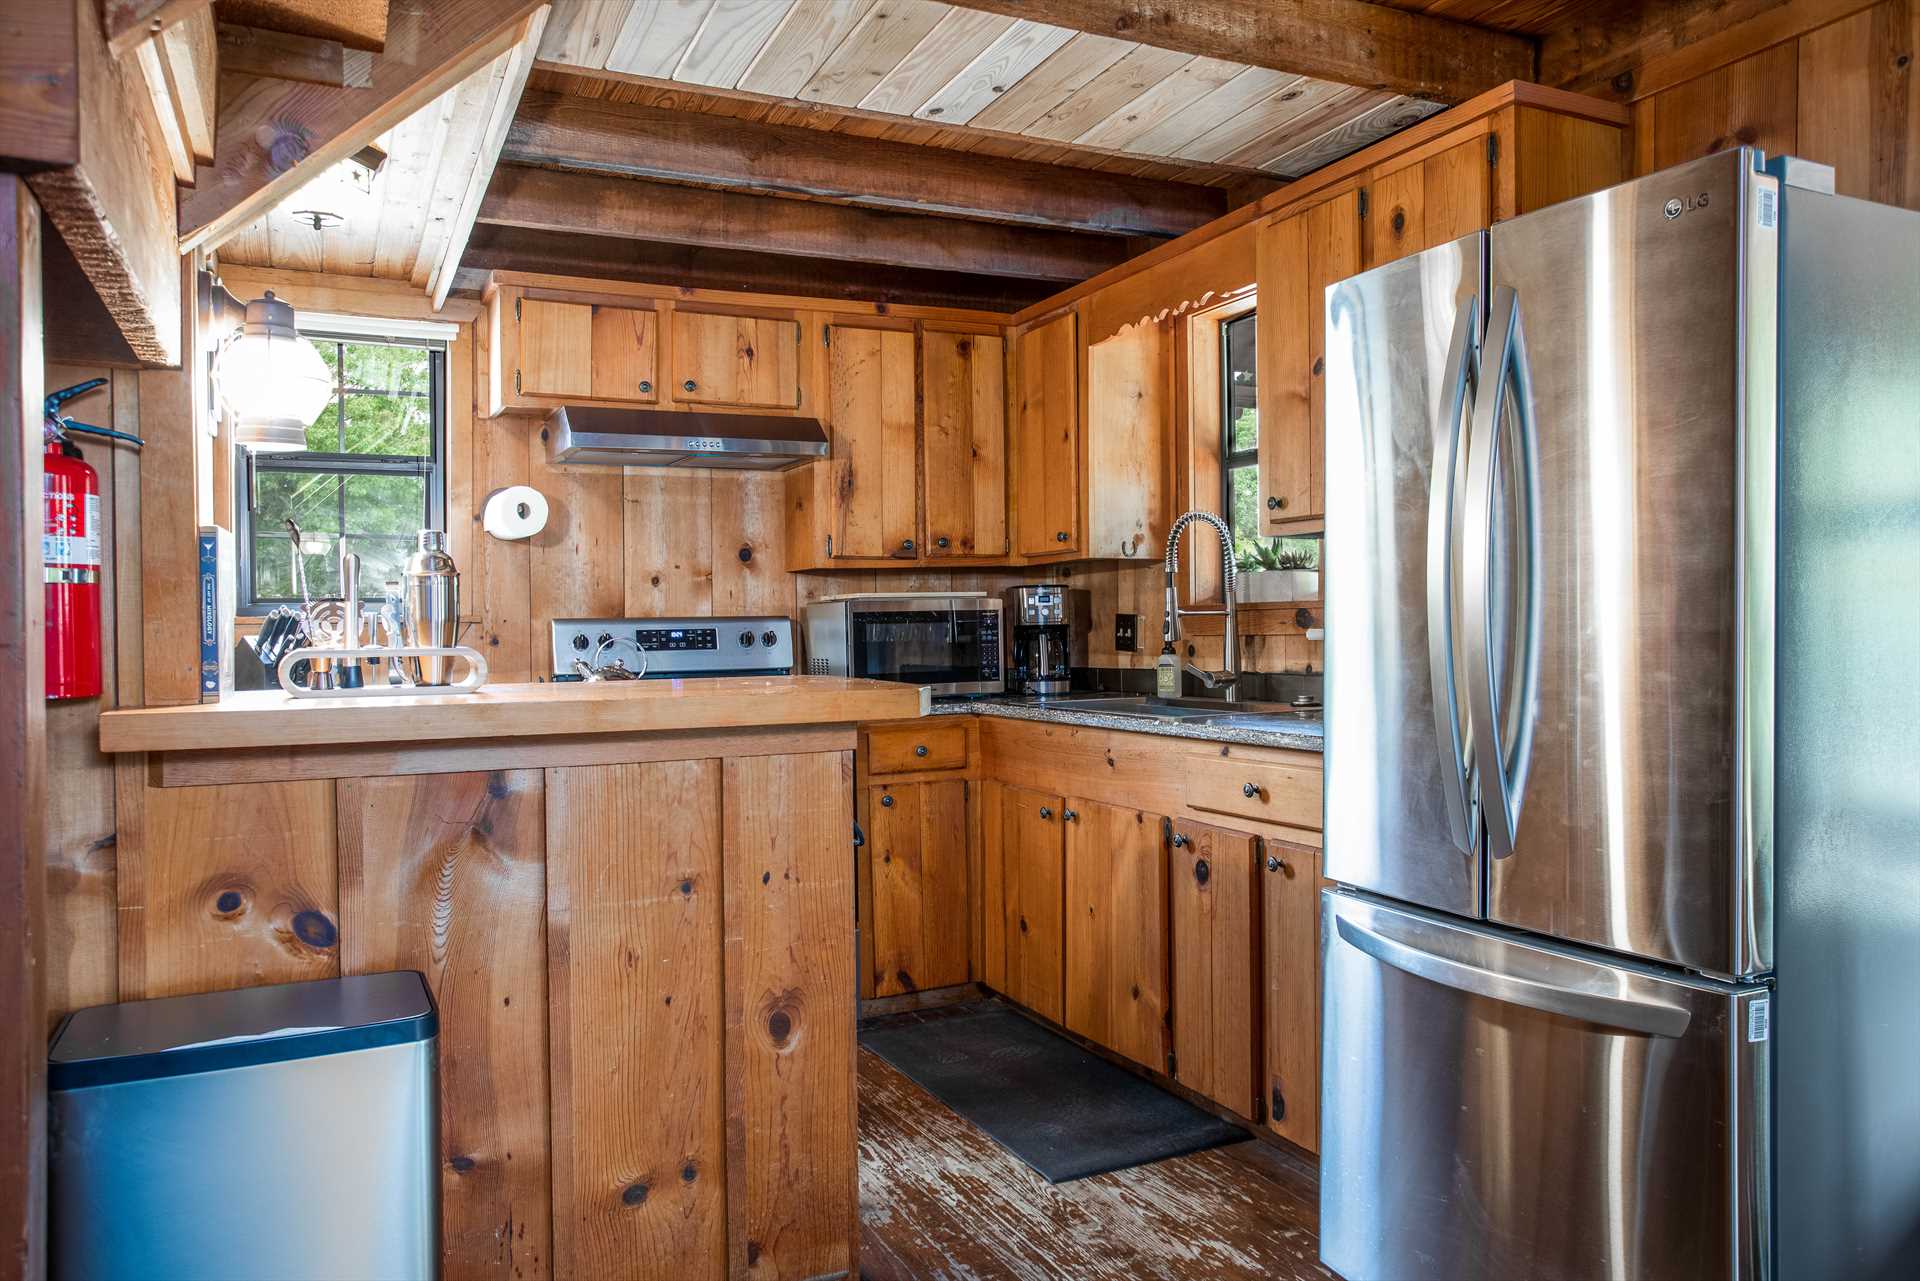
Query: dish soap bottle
[{"x": 1166, "y": 673}]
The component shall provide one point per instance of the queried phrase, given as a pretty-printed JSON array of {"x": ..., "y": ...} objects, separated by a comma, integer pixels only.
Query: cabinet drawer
[
  {"x": 908, "y": 749},
  {"x": 1262, "y": 790}
]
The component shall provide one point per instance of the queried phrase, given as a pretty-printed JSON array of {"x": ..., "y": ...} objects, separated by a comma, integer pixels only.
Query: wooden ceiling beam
[
  {"x": 597, "y": 204},
  {"x": 276, "y": 55},
  {"x": 695, "y": 267},
  {"x": 1345, "y": 41},
  {"x": 722, "y": 151},
  {"x": 275, "y": 134}
]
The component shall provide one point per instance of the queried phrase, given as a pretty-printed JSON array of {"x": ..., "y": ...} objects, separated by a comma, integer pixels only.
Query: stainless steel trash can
[{"x": 283, "y": 1132}]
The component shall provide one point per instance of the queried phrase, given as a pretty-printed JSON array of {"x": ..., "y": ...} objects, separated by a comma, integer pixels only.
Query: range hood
[{"x": 660, "y": 438}]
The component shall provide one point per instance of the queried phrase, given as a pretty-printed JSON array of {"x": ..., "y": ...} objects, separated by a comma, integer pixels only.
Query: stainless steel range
[{"x": 749, "y": 645}]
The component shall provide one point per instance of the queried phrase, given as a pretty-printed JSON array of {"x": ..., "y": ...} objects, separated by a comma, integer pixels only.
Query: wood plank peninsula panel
[{"x": 641, "y": 945}]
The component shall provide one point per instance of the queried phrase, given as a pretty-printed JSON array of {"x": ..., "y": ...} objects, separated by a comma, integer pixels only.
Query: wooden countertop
[{"x": 269, "y": 718}]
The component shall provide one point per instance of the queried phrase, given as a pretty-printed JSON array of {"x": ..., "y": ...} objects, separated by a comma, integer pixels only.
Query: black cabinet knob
[
  {"x": 1249, "y": 790},
  {"x": 1046, "y": 811},
  {"x": 1275, "y": 504},
  {"x": 688, "y": 385},
  {"x": 1273, "y": 863},
  {"x": 942, "y": 541},
  {"x": 886, "y": 802},
  {"x": 645, "y": 385},
  {"x": 906, "y": 545},
  {"x": 1060, "y": 537},
  {"x": 1179, "y": 841},
  {"x": 919, "y": 749},
  {"x": 1069, "y": 815}
]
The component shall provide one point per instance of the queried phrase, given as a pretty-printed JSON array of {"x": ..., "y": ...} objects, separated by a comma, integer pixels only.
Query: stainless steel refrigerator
[{"x": 1623, "y": 741}]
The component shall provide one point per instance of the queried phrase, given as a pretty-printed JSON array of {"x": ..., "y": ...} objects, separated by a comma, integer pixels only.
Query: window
[
  {"x": 1240, "y": 421},
  {"x": 373, "y": 472},
  {"x": 1240, "y": 456}
]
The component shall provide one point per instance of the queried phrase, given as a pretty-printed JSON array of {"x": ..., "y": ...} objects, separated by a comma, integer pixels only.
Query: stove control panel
[{"x": 676, "y": 647}]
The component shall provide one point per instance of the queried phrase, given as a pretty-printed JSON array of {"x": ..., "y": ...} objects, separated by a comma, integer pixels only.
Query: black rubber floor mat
[{"x": 1063, "y": 1111}]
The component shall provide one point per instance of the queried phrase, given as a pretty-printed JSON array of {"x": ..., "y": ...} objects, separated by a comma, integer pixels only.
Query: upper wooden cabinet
[
  {"x": 963, "y": 379},
  {"x": 1047, "y": 452},
  {"x": 1431, "y": 186},
  {"x": 918, "y": 474},
  {"x": 1091, "y": 473},
  {"x": 870, "y": 399},
  {"x": 730, "y": 360},
  {"x": 544, "y": 352},
  {"x": 1297, "y": 257}
]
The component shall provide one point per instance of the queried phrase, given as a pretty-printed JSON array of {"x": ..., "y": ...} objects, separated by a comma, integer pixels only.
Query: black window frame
[
  {"x": 432, "y": 467},
  {"x": 1232, "y": 459}
]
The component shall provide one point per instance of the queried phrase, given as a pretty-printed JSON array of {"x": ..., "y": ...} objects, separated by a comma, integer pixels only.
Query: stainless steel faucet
[{"x": 1228, "y": 680}]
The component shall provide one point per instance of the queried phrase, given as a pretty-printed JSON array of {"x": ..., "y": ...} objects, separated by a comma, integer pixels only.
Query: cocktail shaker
[{"x": 430, "y": 584}]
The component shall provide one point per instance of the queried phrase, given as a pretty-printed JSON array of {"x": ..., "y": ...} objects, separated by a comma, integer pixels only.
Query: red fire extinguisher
[{"x": 71, "y": 546}]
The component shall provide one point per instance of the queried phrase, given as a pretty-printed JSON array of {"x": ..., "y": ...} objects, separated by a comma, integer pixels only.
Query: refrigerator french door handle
[
  {"x": 1502, "y": 767},
  {"x": 1650, "y": 1018},
  {"x": 1445, "y": 499}
]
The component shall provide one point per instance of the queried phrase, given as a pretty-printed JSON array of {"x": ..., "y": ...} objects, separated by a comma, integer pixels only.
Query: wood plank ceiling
[
  {"x": 921, "y": 119},
  {"x": 1064, "y": 95}
]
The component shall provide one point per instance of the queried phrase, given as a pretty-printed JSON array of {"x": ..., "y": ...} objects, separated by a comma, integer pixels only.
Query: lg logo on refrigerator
[{"x": 1678, "y": 206}]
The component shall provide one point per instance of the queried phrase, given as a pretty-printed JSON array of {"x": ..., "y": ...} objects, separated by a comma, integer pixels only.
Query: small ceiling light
[{"x": 271, "y": 379}]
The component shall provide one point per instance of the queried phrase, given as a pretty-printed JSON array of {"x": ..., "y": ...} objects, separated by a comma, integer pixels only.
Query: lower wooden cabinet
[
  {"x": 1290, "y": 929},
  {"x": 1116, "y": 929},
  {"x": 917, "y": 882},
  {"x": 1033, "y": 870},
  {"x": 1216, "y": 910}
]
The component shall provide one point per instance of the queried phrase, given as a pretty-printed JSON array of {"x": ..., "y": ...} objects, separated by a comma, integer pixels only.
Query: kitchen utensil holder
[{"x": 476, "y": 669}]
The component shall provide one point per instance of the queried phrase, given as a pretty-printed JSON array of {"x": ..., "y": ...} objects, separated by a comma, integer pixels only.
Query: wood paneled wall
[{"x": 1844, "y": 93}]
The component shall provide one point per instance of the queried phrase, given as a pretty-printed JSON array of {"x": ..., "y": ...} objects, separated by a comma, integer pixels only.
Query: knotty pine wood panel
[
  {"x": 917, "y": 848},
  {"x": 226, "y": 886},
  {"x": 1216, "y": 963},
  {"x": 792, "y": 1159},
  {"x": 1047, "y": 458},
  {"x": 1290, "y": 939},
  {"x": 1844, "y": 94},
  {"x": 446, "y": 874},
  {"x": 624, "y": 354},
  {"x": 735, "y": 360},
  {"x": 1117, "y": 985},
  {"x": 1129, "y": 414},
  {"x": 634, "y": 909},
  {"x": 1033, "y": 857},
  {"x": 990, "y": 930},
  {"x": 668, "y": 530},
  {"x": 1427, "y": 203},
  {"x": 577, "y": 563}
]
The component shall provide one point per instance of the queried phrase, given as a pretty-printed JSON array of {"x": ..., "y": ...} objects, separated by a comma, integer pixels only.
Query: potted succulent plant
[{"x": 1278, "y": 569}]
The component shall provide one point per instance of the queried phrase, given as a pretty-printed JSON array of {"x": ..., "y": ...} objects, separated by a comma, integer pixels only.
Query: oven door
[{"x": 952, "y": 648}]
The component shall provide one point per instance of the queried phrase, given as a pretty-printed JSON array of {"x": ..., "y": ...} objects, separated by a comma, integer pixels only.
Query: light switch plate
[{"x": 1126, "y": 631}]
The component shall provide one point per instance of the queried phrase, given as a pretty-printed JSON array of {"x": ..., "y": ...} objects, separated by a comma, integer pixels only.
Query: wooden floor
[{"x": 940, "y": 1201}]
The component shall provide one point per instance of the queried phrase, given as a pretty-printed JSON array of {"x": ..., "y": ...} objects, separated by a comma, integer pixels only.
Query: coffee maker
[{"x": 1046, "y": 634}]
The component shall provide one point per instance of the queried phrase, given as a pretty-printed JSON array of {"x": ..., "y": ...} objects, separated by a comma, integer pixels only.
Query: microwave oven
[{"x": 947, "y": 641}]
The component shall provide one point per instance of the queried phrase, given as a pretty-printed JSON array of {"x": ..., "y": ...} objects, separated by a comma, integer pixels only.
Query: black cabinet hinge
[
  {"x": 1363, "y": 202},
  {"x": 1493, "y": 150},
  {"x": 516, "y": 381},
  {"x": 1173, "y": 1065},
  {"x": 516, "y": 309},
  {"x": 829, "y": 544},
  {"x": 826, "y": 335}
]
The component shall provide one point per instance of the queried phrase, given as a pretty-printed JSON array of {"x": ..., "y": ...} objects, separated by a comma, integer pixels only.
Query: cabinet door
[
  {"x": 917, "y": 851},
  {"x": 1428, "y": 203},
  {"x": 556, "y": 348},
  {"x": 870, "y": 391},
  {"x": 964, "y": 379},
  {"x": 752, "y": 361},
  {"x": 1116, "y": 931},
  {"x": 1034, "y": 870},
  {"x": 1297, "y": 257},
  {"x": 623, "y": 354},
  {"x": 1216, "y": 964},
  {"x": 1290, "y": 927},
  {"x": 1048, "y": 454},
  {"x": 1129, "y": 408}
]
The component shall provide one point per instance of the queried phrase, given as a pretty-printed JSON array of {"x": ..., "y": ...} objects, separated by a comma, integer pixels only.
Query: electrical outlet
[{"x": 1126, "y": 630}]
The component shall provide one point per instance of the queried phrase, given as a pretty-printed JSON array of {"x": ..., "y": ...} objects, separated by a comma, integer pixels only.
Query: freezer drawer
[{"x": 1495, "y": 1107}]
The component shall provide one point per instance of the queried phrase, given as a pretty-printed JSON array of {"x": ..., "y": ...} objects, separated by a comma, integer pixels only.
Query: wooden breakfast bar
[{"x": 634, "y": 903}]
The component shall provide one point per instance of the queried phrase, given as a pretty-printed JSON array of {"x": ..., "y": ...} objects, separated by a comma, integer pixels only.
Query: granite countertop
[{"x": 1298, "y": 735}]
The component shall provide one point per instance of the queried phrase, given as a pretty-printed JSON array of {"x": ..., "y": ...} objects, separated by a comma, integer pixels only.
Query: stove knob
[
  {"x": 746, "y": 640},
  {"x": 769, "y": 638},
  {"x": 605, "y": 638},
  {"x": 579, "y": 640}
]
